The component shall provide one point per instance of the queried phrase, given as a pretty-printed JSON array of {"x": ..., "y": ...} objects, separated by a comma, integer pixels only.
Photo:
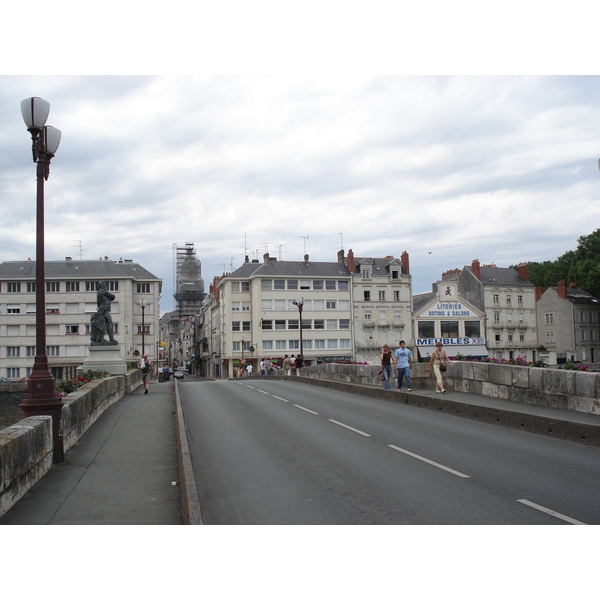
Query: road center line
[
  {"x": 551, "y": 512},
  {"x": 283, "y": 399},
  {"x": 351, "y": 428},
  {"x": 306, "y": 409},
  {"x": 263, "y": 392},
  {"x": 430, "y": 462},
  {"x": 249, "y": 386}
]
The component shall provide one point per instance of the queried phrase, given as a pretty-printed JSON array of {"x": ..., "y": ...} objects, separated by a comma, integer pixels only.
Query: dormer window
[
  {"x": 366, "y": 272},
  {"x": 395, "y": 274}
]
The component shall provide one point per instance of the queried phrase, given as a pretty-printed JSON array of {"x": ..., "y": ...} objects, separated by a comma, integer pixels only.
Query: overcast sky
[
  {"x": 321, "y": 154},
  {"x": 498, "y": 168}
]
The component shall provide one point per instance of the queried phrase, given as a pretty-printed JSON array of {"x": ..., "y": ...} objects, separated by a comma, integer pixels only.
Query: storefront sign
[{"x": 450, "y": 309}]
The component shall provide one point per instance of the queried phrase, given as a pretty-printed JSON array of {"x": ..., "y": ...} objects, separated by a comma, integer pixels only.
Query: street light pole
[
  {"x": 143, "y": 305},
  {"x": 40, "y": 399},
  {"x": 300, "y": 303}
]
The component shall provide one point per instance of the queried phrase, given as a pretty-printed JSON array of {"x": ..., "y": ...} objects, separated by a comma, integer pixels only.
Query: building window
[
  {"x": 306, "y": 344},
  {"x": 53, "y": 286},
  {"x": 143, "y": 288},
  {"x": 330, "y": 304},
  {"x": 267, "y": 325},
  {"x": 367, "y": 315},
  {"x": 279, "y": 284},
  {"x": 293, "y": 324},
  {"x": 245, "y": 306},
  {"x": 52, "y": 309},
  {"x": 13, "y": 351},
  {"x": 521, "y": 337},
  {"x": 146, "y": 329},
  {"x": 245, "y": 286},
  {"x": 236, "y": 346},
  {"x": 13, "y": 309},
  {"x": 508, "y": 300},
  {"x": 367, "y": 295},
  {"x": 279, "y": 344},
  {"x": 395, "y": 274},
  {"x": 305, "y": 285},
  {"x": 294, "y": 344},
  {"x": 266, "y": 284},
  {"x": 366, "y": 273},
  {"x": 520, "y": 300},
  {"x": 319, "y": 324},
  {"x": 472, "y": 329},
  {"x": 235, "y": 326},
  {"x": 317, "y": 284},
  {"x": 426, "y": 329},
  {"x": 267, "y": 345},
  {"x": 13, "y": 373},
  {"x": 332, "y": 324},
  {"x": 510, "y": 337},
  {"x": 13, "y": 287},
  {"x": 31, "y": 287},
  {"x": 292, "y": 284},
  {"x": 496, "y": 299},
  {"x": 582, "y": 316},
  {"x": 449, "y": 329},
  {"x": 344, "y": 323},
  {"x": 583, "y": 335},
  {"x": 280, "y": 324},
  {"x": 550, "y": 337},
  {"x": 306, "y": 323},
  {"x": 330, "y": 285},
  {"x": 72, "y": 329},
  {"x": 73, "y": 286},
  {"x": 509, "y": 317},
  {"x": 30, "y": 351},
  {"x": 319, "y": 344},
  {"x": 344, "y": 344},
  {"x": 396, "y": 295},
  {"x": 52, "y": 350},
  {"x": 497, "y": 337},
  {"x": 92, "y": 286},
  {"x": 549, "y": 318},
  {"x": 342, "y": 286},
  {"x": 381, "y": 295},
  {"x": 496, "y": 318},
  {"x": 245, "y": 325}
]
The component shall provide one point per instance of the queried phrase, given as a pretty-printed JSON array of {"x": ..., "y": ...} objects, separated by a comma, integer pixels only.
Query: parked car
[
  {"x": 4, "y": 379},
  {"x": 178, "y": 374}
]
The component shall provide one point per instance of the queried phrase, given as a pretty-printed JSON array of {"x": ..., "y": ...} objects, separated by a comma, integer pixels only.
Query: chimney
[
  {"x": 246, "y": 259},
  {"x": 68, "y": 258},
  {"x": 404, "y": 261},
  {"x": 476, "y": 268},
  {"x": 523, "y": 271},
  {"x": 266, "y": 258},
  {"x": 562, "y": 290},
  {"x": 306, "y": 258},
  {"x": 340, "y": 256},
  {"x": 351, "y": 261},
  {"x": 538, "y": 293}
]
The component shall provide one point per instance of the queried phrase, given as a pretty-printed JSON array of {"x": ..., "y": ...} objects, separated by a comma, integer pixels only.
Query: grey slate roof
[
  {"x": 64, "y": 269},
  {"x": 579, "y": 296},
  {"x": 380, "y": 265},
  {"x": 281, "y": 268},
  {"x": 422, "y": 300},
  {"x": 501, "y": 276}
]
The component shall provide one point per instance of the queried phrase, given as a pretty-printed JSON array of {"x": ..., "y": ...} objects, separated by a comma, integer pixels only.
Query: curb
[{"x": 190, "y": 504}]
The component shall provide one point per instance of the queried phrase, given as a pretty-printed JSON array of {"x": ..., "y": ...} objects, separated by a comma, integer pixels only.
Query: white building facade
[{"x": 71, "y": 287}]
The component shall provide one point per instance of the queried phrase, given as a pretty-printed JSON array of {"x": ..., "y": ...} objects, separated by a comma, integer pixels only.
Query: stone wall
[
  {"x": 555, "y": 388},
  {"x": 26, "y": 447}
]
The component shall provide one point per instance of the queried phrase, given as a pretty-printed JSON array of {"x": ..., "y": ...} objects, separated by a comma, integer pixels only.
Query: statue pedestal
[{"x": 105, "y": 357}]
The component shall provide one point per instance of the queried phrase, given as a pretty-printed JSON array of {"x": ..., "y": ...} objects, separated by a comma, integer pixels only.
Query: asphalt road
[{"x": 278, "y": 452}]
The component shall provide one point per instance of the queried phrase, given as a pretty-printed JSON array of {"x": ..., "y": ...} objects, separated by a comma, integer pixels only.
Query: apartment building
[
  {"x": 381, "y": 303},
  {"x": 71, "y": 287},
  {"x": 508, "y": 300},
  {"x": 568, "y": 321},
  {"x": 276, "y": 308}
]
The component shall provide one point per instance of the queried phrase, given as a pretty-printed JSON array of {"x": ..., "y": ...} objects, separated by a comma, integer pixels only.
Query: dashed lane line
[
  {"x": 351, "y": 428},
  {"x": 553, "y": 513},
  {"x": 430, "y": 462},
  {"x": 282, "y": 399},
  {"x": 306, "y": 409}
]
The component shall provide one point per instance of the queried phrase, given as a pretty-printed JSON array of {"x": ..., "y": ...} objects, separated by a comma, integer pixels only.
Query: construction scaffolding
[{"x": 187, "y": 280}]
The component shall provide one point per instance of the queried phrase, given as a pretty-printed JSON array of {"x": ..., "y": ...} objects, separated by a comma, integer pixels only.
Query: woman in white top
[{"x": 438, "y": 358}]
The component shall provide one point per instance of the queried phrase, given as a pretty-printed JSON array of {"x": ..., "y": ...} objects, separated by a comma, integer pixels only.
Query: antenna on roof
[
  {"x": 341, "y": 240},
  {"x": 305, "y": 238},
  {"x": 80, "y": 248}
]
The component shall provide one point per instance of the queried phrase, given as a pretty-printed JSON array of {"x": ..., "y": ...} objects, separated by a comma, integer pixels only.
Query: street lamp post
[
  {"x": 40, "y": 399},
  {"x": 143, "y": 305},
  {"x": 300, "y": 303}
]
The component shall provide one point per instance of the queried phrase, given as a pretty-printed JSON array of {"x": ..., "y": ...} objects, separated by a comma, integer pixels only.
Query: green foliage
[{"x": 580, "y": 266}]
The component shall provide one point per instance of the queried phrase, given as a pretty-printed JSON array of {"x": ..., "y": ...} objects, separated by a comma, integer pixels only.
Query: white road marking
[
  {"x": 263, "y": 392},
  {"x": 351, "y": 428},
  {"x": 306, "y": 409},
  {"x": 249, "y": 386},
  {"x": 430, "y": 462},
  {"x": 551, "y": 512},
  {"x": 283, "y": 399}
]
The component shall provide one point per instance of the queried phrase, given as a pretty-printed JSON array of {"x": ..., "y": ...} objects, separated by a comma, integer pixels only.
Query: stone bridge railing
[
  {"x": 555, "y": 388},
  {"x": 26, "y": 448}
]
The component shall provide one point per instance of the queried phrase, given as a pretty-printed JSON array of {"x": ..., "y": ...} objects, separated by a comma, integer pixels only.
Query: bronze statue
[{"x": 101, "y": 320}]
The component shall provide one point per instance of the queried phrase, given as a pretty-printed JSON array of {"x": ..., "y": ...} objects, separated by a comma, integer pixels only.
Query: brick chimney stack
[
  {"x": 351, "y": 261},
  {"x": 340, "y": 256},
  {"x": 523, "y": 271},
  {"x": 405, "y": 263},
  {"x": 538, "y": 293},
  {"x": 476, "y": 268},
  {"x": 562, "y": 290}
]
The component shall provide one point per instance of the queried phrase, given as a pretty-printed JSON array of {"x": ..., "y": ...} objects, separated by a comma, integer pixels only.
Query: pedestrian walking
[
  {"x": 440, "y": 361},
  {"x": 145, "y": 365},
  {"x": 385, "y": 356},
  {"x": 403, "y": 361},
  {"x": 287, "y": 365}
]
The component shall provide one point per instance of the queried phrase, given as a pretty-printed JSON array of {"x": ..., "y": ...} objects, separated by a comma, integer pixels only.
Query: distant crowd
[{"x": 291, "y": 365}]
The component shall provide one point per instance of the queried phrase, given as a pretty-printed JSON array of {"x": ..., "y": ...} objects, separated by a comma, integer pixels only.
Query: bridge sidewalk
[{"x": 121, "y": 471}]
